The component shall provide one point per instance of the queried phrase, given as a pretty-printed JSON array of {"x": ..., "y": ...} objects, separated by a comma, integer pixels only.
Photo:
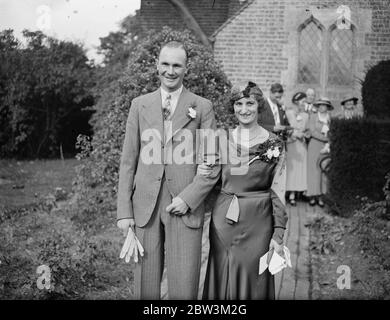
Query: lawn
[
  {"x": 22, "y": 183},
  {"x": 38, "y": 230}
]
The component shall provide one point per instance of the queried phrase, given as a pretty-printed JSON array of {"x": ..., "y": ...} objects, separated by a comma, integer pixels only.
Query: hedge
[
  {"x": 375, "y": 90},
  {"x": 360, "y": 158}
]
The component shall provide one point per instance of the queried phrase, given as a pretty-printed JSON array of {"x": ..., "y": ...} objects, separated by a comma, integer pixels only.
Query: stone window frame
[
  {"x": 353, "y": 54},
  {"x": 295, "y": 17},
  {"x": 325, "y": 52},
  {"x": 301, "y": 27}
]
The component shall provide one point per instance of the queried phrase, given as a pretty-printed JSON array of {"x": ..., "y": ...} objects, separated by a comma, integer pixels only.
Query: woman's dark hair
[{"x": 245, "y": 90}]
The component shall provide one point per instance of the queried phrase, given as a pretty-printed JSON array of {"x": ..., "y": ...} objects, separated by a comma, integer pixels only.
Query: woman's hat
[
  {"x": 324, "y": 101},
  {"x": 349, "y": 98},
  {"x": 244, "y": 90},
  {"x": 298, "y": 96}
]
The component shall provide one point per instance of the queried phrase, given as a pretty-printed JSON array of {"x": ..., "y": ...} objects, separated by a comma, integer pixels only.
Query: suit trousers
[{"x": 166, "y": 236}]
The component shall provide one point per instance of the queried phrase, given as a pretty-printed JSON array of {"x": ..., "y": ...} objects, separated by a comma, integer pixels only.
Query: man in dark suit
[
  {"x": 273, "y": 117},
  {"x": 163, "y": 200}
]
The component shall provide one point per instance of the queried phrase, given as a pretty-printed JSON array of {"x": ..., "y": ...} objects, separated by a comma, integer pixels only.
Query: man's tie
[{"x": 167, "y": 107}]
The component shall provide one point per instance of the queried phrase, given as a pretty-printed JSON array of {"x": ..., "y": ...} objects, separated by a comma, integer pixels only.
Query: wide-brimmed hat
[
  {"x": 349, "y": 98},
  {"x": 324, "y": 101}
]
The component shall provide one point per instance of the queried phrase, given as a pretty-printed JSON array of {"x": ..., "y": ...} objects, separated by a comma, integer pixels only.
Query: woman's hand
[
  {"x": 277, "y": 247},
  {"x": 204, "y": 169}
]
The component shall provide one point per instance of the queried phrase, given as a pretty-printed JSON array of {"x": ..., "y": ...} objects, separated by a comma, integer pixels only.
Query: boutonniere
[
  {"x": 192, "y": 112},
  {"x": 299, "y": 117},
  {"x": 273, "y": 150}
]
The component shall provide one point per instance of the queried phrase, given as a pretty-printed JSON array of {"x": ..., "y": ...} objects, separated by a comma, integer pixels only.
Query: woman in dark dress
[{"x": 249, "y": 216}]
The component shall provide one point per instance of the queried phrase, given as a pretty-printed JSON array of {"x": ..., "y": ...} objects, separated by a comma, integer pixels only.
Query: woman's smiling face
[{"x": 246, "y": 110}]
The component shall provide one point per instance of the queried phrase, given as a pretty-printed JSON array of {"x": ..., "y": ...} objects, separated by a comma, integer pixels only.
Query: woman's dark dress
[{"x": 235, "y": 249}]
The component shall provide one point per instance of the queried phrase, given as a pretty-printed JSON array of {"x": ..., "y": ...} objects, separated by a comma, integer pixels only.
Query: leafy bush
[
  {"x": 359, "y": 161},
  {"x": 44, "y": 88},
  {"x": 375, "y": 90},
  {"x": 98, "y": 175}
]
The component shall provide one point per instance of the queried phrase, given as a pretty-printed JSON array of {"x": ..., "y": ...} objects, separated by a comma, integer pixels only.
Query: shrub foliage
[
  {"x": 44, "y": 88},
  {"x": 360, "y": 157},
  {"x": 375, "y": 90}
]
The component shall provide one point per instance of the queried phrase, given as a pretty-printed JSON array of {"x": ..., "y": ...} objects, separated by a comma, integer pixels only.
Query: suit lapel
[
  {"x": 270, "y": 114},
  {"x": 152, "y": 113},
  {"x": 180, "y": 117}
]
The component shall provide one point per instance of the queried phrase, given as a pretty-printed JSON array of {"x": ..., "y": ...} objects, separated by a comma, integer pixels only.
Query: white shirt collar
[
  {"x": 272, "y": 104},
  {"x": 174, "y": 94}
]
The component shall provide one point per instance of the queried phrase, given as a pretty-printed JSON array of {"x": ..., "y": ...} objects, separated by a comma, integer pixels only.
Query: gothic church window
[
  {"x": 325, "y": 57},
  {"x": 310, "y": 49},
  {"x": 340, "y": 56}
]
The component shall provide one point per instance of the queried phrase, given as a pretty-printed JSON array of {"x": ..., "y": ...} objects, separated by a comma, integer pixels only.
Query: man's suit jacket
[
  {"x": 140, "y": 182},
  {"x": 266, "y": 117}
]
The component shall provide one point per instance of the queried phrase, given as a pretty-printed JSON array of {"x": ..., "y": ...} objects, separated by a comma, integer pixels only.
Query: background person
[
  {"x": 310, "y": 99},
  {"x": 296, "y": 147},
  {"x": 319, "y": 127},
  {"x": 272, "y": 116},
  {"x": 349, "y": 107}
]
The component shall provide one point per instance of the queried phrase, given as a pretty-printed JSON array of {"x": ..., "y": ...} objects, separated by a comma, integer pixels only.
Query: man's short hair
[
  {"x": 276, "y": 88},
  {"x": 174, "y": 44}
]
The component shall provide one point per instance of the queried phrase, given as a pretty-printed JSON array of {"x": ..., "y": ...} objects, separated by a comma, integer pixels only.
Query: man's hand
[
  {"x": 204, "y": 169},
  {"x": 125, "y": 224},
  {"x": 178, "y": 207},
  {"x": 279, "y": 128}
]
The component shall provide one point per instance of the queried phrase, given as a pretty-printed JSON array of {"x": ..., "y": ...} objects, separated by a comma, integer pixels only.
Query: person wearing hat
[
  {"x": 249, "y": 216},
  {"x": 296, "y": 147},
  {"x": 349, "y": 106},
  {"x": 318, "y": 128}
]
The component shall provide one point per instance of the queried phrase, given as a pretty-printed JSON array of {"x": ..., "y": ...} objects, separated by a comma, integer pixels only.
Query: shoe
[
  {"x": 312, "y": 202},
  {"x": 321, "y": 203}
]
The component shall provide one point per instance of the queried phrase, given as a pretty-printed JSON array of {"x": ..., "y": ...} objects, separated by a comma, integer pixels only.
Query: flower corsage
[
  {"x": 191, "y": 111},
  {"x": 269, "y": 151}
]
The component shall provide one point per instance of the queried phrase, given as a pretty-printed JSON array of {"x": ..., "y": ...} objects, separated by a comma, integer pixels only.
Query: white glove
[{"x": 131, "y": 247}]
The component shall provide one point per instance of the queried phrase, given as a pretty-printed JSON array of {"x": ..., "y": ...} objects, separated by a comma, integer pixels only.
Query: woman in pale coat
[
  {"x": 319, "y": 127},
  {"x": 296, "y": 147}
]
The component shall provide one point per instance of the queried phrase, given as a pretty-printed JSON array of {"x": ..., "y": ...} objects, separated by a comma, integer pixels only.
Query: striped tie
[{"x": 167, "y": 107}]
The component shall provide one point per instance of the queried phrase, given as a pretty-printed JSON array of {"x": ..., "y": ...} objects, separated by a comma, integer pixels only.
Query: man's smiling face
[{"x": 171, "y": 68}]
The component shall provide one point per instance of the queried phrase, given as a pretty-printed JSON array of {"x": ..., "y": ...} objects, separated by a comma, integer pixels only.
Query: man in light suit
[{"x": 160, "y": 198}]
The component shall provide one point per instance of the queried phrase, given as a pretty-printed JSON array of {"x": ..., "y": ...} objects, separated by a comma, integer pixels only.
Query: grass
[
  {"x": 37, "y": 230},
  {"x": 22, "y": 183}
]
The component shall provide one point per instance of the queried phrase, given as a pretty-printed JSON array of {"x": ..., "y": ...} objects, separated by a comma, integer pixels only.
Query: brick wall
[
  {"x": 260, "y": 43},
  {"x": 158, "y": 13}
]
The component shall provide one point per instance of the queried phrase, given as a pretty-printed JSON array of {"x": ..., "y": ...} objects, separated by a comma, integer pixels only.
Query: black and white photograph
[{"x": 194, "y": 151}]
